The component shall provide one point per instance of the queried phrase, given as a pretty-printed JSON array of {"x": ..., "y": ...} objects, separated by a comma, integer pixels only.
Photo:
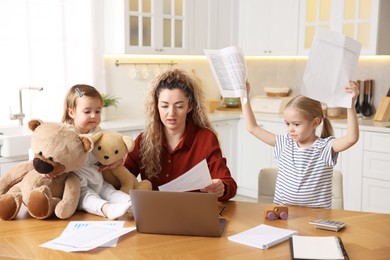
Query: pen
[{"x": 222, "y": 211}]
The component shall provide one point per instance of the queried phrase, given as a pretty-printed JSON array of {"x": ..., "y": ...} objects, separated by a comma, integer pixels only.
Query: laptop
[{"x": 176, "y": 213}]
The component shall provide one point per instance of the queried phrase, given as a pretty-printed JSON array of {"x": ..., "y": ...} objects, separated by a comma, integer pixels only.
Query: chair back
[
  {"x": 267, "y": 181},
  {"x": 337, "y": 190},
  {"x": 266, "y": 187}
]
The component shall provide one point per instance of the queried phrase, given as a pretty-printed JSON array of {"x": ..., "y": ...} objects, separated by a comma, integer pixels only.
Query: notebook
[
  {"x": 314, "y": 247},
  {"x": 176, "y": 213},
  {"x": 262, "y": 236}
]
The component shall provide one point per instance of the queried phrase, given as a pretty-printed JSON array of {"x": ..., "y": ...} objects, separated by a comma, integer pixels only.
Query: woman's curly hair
[{"x": 152, "y": 138}]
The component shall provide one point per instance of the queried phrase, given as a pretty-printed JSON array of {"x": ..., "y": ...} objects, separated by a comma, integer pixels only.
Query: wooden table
[{"x": 367, "y": 236}]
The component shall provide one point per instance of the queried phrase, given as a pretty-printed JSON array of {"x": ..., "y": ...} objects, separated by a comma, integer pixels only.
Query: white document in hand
[
  {"x": 229, "y": 70},
  {"x": 198, "y": 177},
  {"x": 332, "y": 63}
]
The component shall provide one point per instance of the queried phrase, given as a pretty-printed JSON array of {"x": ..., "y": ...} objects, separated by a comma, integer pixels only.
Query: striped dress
[{"x": 305, "y": 174}]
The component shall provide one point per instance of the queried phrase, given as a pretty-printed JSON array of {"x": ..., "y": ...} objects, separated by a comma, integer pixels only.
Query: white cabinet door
[
  {"x": 375, "y": 196},
  {"x": 146, "y": 27},
  {"x": 376, "y": 174},
  {"x": 5, "y": 167},
  {"x": 352, "y": 170},
  {"x": 268, "y": 27},
  {"x": 363, "y": 20},
  {"x": 253, "y": 155},
  {"x": 213, "y": 25},
  {"x": 227, "y": 136}
]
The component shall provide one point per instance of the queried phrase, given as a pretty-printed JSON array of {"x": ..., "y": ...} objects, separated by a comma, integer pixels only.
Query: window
[{"x": 52, "y": 44}]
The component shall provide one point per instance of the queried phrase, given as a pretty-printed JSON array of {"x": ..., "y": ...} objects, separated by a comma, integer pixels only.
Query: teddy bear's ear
[
  {"x": 88, "y": 145},
  {"x": 34, "y": 123},
  {"x": 129, "y": 142},
  {"x": 97, "y": 136}
]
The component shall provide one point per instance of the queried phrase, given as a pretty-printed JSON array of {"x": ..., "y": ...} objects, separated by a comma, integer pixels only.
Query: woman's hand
[
  {"x": 111, "y": 166},
  {"x": 216, "y": 187}
]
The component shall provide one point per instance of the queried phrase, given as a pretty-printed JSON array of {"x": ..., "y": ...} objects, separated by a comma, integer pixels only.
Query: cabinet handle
[{"x": 160, "y": 50}]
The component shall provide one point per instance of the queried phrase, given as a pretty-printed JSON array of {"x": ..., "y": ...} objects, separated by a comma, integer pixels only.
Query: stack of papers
[
  {"x": 87, "y": 235},
  {"x": 263, "y": 236}
]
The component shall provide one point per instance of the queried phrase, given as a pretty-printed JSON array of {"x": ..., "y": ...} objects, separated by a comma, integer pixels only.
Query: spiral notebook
[{"x": 314, "y": 247}]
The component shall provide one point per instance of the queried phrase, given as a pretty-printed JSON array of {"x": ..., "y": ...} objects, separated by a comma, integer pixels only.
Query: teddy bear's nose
[
  {"x": 106, "y": 157},
  {"x": 41, "y": 166}
]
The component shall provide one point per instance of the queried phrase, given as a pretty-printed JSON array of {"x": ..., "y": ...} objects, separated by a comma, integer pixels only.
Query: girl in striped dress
[{"x": 306, "y": 160}]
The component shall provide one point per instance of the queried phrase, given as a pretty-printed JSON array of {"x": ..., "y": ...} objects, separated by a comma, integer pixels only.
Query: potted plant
[{"x": 108, "y": 101}]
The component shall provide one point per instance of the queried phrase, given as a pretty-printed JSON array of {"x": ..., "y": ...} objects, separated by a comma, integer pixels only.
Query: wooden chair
[{"x": 267, "y": 181}]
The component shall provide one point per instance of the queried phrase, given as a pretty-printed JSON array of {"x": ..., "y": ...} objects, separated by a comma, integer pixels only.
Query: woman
[{"x": 178, "y": 135}]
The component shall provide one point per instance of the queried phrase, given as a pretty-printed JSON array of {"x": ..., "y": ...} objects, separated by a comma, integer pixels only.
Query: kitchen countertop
[{"x": 137, "y": 123}]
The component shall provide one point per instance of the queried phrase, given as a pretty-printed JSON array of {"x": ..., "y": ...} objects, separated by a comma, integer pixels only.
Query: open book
[
  {"x": 263, "y": 236},
  {"x": 229, "y": 69}
]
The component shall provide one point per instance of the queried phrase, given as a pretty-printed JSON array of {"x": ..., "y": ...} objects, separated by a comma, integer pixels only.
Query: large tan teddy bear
[
  {"x": 108, "y": 148},
  {"x": 58, "y": 150}
]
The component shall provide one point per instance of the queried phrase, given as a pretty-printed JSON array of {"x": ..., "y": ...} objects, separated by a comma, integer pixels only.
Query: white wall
[{"x": 262, "y": 72}]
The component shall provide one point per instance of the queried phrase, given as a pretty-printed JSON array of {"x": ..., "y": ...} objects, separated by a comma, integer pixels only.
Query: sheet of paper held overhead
[
  {"x": 332, "y": 63},
  {"x": 229, "y": 70}
]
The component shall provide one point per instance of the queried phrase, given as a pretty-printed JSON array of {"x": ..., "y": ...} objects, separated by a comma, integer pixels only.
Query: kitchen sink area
[{"x": 14, "y": 141}]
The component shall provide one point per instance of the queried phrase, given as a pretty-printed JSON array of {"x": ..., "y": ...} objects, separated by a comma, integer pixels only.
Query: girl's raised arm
[
  {"x": 344, "y": 142},
  {"x": 251, "y": 124}
]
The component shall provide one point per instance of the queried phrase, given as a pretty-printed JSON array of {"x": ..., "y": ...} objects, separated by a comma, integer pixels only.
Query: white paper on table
[
  {"x": 79, "y": 225},
  {"x": 332, "y": 63},
  {"x": 86, "y": 236},
  {"x": 262, "y": 236},
  {"x": 229, "y": 70},
  {"x": 198, "y": 177}
]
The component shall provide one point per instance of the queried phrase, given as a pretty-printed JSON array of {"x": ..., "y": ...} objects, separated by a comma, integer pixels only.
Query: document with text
[
  {"x": 198, "y": 177},
  {"x": 86, "y": 235},
  {"x": 332, "y": 63},
  {"x": 229, "y": 70}
]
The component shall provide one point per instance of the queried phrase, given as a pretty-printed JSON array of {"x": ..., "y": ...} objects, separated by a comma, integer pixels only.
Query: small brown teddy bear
[
  {"x": 58, "y": 150},
  {"x": 109, "y": 147}
]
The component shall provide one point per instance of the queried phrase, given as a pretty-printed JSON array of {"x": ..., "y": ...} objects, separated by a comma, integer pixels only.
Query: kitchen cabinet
[
  {"x": 352, "y": 170},
  {"x": 253, "y": 155},
  {"x": 268, "y": 27},
  {"x": 132, "y": 133},
  {"x": 6, "y": 166},
  {"x": 363, "y": 20},
  {"x": 227, "y": 131},
  {"x": 146, "y": 26},
  {"x": 213, "y": 25},
  {"x": 376, "y": 173}
]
